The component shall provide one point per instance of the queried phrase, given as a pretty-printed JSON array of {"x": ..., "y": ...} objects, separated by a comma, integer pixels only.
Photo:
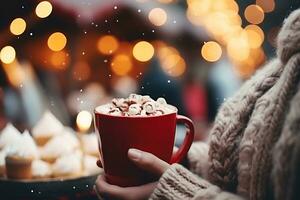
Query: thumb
[{"x": 148, "y": 161}]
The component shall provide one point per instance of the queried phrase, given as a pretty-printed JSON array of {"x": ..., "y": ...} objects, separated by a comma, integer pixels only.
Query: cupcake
[
  {"x": 8, "y": 135},
  {"x": 69, "y": 165},
  {"x": 47, "y": 127},
  {"x": 19, "y": 157},
  {"x": 2, "y": 163},
  {"x": 58, "y": 146},
  {"x": 41, "y": 169},
  {"x": 70, "y": 137},
  {"x": 90, "y": 166},
  {"x": 90, "y": 144}
]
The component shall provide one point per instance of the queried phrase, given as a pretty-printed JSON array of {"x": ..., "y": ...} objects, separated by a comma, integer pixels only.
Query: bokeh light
[
  {"x": 266, "y": 5},
  {"x": 254, "y": 38},
  {"x": 60, "y": 60},
  {"x": 174, "y": 65},
  {"x": 43, "y": 9},
  {"x": 84, "y": 120},
  {"x": 81, "y": 71},
  {"x": 17, "y": 26},
  {"x": 257, "y": 29},
  {"x": 158, "y": 16},
  {"x": 254, "y": 14},
  {"x": 121, "y": 64},
  {"x": 211, "y": 51},
  {"x": 107, "y": 44},
  {"x": 238, "y": 47},
  {"x": 143, "y": 51},
  {"x": 165, "y": 1},
  {"x": 57, "y": 41},
  {"x": 7, "y": 54}
]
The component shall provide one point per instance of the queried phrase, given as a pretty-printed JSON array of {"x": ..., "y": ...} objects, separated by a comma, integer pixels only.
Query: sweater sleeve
[
  {"x": 198, "y": 158},
  {"x": 179, "y": 183}
]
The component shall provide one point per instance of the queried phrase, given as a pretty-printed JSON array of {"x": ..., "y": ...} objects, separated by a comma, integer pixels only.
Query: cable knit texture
[
  {"x": 255, "y": 133},
  {"x": 199, "y": 166},
  {"x": 282, "y": 171},
  {"x": 230, "y": 123}
]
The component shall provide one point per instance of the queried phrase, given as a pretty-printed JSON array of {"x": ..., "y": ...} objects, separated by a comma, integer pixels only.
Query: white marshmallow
[{"x": 134, "y": 109}]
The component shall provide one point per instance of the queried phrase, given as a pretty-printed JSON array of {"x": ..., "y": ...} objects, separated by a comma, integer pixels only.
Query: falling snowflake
[
  {"x": 115, "y": 7},
  {"x": 169, "y": 81}
]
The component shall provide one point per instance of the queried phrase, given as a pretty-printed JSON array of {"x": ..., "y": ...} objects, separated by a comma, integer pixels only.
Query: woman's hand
[{"x": 144, "y": 160}]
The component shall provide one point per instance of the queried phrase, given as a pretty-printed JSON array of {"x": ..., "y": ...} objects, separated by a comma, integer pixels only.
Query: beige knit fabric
[
  {"x": 283, "y": 152},
  {"x": 244, "y": 135},
  {"x": 230, "y": 123}
]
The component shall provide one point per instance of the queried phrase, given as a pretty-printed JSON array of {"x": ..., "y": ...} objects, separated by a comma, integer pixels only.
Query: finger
[
  {"x": 97, "y": 193},
  {"x": 148, "y": 161},
  {"x": 99, "y": 164},
  {"x": 104, "y": 189}
]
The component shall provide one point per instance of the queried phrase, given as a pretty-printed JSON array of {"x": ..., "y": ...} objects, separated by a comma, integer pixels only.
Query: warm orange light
[
  {"x": 266, "y": 5},
  {"x": 143, "y": 51},
  {"x": 81, "y": 71},
  {"x": 16, "y": 74},
  {"x": 107, "y": 44},
  {"x": 174, "y": 65},
  {"x": 198, "y": 8},
  {"x": 43, "y": 9},
  {"x": 121, "y": 64},
  {"x": 238, "y": 47},
  {"x": 254, "y": 39},
  {"x": 254, "y": 14},
  {"x": 60, "y": 60},
  {"x": 164, "y": 52},
  {"x": 7, "y": 54},
  {"x": 257, "y": 29},
  {"x": 84, "y": 120},
  {"x": 166, "y": 1},
  {"x": 211, "y": 51},
  {"x": 158, "y": 16},
  {"x": 17, "y": 26},
  {"x": 57, "y": 41}
]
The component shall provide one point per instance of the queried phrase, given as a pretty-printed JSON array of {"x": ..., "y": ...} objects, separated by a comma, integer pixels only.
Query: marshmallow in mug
[
  {"x": 137, "y": 105},
  {"x": 149, "y": 107},
  {"x": 134, "y": 109}
]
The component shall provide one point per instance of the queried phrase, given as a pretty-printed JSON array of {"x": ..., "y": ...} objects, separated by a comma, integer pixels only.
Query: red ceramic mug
[{"x": 154, "y": 134}]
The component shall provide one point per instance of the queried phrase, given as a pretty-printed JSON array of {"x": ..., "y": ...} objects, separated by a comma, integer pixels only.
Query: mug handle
[{"x": 188, "y": 140}]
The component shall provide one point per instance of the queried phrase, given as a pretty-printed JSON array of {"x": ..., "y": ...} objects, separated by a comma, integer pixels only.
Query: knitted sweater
[{"x": 254, "y": 146}]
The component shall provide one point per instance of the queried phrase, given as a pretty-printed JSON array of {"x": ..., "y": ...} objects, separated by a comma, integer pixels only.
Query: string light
[
  {"x": 60, "y": 60},
  {"x": 158, "y": 16},
  {"x": 238, "y": 47},
  {"x": 174, "y": 65},
  {"x": 57, "y": 41},
  {"x": 121, "y": 64},
  {"x": 84, "y": 120},
  {"x": 7, "y": 54},
  {"x": 254, "y": 14},
  {"x": 266, "y": 5},
  {"x": 211, "y": 51},
  {"x": 107, "y": 44},
  {"x": 43, "y": 9},
  {"x": 143, "y": 51},
  {"x": 254, "y": 39},
  {"x": 17, "y": 26}
]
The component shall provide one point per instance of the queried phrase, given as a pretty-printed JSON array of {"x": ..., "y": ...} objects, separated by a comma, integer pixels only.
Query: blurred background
[{"x": 73, "y": 55}]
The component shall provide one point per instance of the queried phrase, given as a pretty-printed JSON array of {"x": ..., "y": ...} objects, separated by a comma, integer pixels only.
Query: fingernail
[{"x": 134, "y": 154}]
